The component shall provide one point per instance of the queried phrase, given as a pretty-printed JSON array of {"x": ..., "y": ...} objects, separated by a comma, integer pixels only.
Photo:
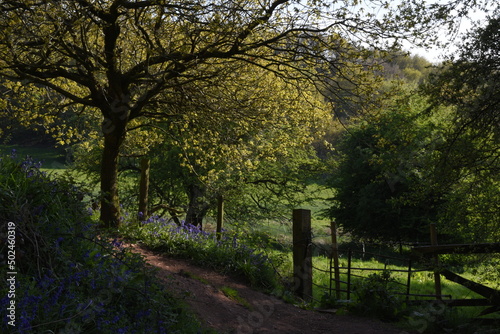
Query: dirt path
[{"x": 256, "y": 312}]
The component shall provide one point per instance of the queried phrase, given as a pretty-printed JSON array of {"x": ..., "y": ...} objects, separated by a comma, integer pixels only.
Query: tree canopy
[
  {"x": 469, "y": 84},
  {"x": 385, "y": 159},
  {"x": 429, "y": 156},
  {"x": 119, "y": 57}
]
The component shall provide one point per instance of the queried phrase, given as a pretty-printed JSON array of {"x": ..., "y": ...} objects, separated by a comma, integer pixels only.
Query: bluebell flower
[
  {"x": 25, "y": 321},
  {"x": 46, "y": 282},
  {"x": 59, "y": 241},
  {"x": 116, "y": 243},
  {"x": 4, "y": 302},
  {"x": 63, "y": 307},
  {"x": 55, "y": 297},
  {"x": 38, "y": 210}
]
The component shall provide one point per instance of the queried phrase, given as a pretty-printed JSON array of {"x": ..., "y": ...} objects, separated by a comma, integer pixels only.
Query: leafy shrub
[
  {"x": 69, "y": 279},
  {"x": 375, "y": 296},
  {"x": 228, "y": 254}
]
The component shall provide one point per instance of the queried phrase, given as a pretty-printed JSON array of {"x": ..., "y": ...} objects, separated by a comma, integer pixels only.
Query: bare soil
[{"x": 254, "y": 311}]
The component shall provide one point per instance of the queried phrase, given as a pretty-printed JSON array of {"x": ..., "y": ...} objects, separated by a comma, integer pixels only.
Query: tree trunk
[
  {"x": 144, "y": 188},
  {"x": 110, "y": 204},
  {"x": 220, "y": 215},
  {"x": 198, "y": 206}
]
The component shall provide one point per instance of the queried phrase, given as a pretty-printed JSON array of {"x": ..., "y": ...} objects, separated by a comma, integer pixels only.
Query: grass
[
  {"x": 54, "y": 164},
  {"x": 234, "y": 295},
  {"x": 422, "y": 282},
  {"x": 194, "y": 276},
  {"x": 318, "y": 205},
  {"x": 229, "y": 254},
  {"x": 52, "y": 158}
]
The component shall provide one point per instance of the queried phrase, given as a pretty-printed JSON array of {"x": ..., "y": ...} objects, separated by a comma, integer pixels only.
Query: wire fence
[{"x": 343, "y": 278}]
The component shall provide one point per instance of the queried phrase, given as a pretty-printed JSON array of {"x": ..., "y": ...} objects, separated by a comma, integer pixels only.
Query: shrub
[
  {"x": 376, "y": 296},
  {"x": 68, "y": 278}
]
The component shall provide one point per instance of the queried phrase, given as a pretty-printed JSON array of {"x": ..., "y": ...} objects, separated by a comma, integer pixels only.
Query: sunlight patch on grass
[
  {"x": 193, "y": 276},
  {"x": 234, "y": 295}
]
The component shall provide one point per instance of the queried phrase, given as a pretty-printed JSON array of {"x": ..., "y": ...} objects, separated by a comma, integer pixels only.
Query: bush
[
  {"x": 68, "y": 278},
  {"x": 228, "y": 254},
  {"x": 375, "y": 296}
]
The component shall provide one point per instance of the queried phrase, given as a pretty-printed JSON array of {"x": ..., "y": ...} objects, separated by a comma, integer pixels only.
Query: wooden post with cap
[{"x": 302, "y": 254}]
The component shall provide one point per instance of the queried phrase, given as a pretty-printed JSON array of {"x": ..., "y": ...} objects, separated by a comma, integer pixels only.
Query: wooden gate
[
  {"x": 302, "y": 258},
  {"x": 491, "y": 297}
]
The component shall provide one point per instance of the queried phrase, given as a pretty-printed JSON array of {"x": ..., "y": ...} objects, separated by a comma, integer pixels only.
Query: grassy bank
[{"x": 66, "y": 276}]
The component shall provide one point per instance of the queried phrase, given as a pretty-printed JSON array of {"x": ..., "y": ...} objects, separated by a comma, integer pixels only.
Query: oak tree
[{"x": 238, "y": 127}]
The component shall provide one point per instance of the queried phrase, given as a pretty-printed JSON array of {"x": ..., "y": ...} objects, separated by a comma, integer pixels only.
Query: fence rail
[{"x": 304, "y": 268}]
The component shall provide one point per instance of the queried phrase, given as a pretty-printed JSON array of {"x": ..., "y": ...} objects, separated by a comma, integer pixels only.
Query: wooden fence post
[
  {"x": 302, "y": 253},
  {"x": 335, "y": 256},
  {"x": 408, "y": 281},
  {"x": 437, "y": 277}
]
